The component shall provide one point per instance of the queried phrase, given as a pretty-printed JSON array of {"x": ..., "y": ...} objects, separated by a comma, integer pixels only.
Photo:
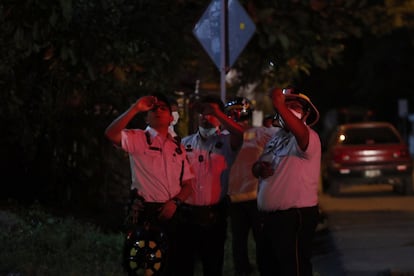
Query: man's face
[
  {"x": 159, "y": 116},
  {"x": 296, "y": 106},
  {"x": 208, "y": 121},
  {"x": 205, "y": 117}
]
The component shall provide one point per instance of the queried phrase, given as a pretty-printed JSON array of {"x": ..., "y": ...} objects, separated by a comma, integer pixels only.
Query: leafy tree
[
  {"x": 297, "y": 37},
  {"x": 69, "y": 66}
]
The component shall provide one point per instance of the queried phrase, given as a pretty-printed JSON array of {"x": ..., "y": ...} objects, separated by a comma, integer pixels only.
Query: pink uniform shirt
[
  {"x": 156, "y": 164},
  {"x": 211, "y": 161},
  {"x": 295, "y": 181}
]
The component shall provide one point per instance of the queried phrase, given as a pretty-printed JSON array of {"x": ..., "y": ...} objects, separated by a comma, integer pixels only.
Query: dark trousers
[
  {"x": 244, "y": 217},
  {"x": 287, "y": 241},
  {"x": 201, "y": 235}
]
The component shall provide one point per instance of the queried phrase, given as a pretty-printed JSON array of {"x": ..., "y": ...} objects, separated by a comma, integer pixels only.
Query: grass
[{"x": 34, "y": 242}]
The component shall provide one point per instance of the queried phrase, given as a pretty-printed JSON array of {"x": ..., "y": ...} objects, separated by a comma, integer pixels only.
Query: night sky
[{"x": 375, "y": 74}]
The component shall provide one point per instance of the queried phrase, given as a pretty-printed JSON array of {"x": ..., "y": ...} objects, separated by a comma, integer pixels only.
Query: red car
[{"x": 365, "y": 153}]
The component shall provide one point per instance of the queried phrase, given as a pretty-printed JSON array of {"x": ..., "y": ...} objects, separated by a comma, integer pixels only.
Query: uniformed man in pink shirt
[
  {"x": 161, "y": 174},
  {"x": 288, "y": 172},
  {"x": 244, "y": 215},
  {"x": 211, "y": 151}
]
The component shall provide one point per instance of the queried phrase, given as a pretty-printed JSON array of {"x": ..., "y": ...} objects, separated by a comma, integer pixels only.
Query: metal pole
[{"x": 223, "y": 56}]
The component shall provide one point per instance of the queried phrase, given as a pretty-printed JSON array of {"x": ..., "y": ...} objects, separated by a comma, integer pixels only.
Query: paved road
[{"x": 370, "y": 231}]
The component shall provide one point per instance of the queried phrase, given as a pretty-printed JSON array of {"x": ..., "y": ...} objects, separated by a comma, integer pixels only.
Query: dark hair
[
  {"x": 212, "y": 99},
  {"x": 162, "y": 98}
]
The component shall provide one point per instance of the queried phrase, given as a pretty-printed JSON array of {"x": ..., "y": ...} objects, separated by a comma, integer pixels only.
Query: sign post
[
  {"x": 224, "y": 30},
  {"x": 223, "y": 50}
]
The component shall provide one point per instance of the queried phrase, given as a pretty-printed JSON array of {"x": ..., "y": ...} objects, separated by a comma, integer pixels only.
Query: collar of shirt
[{"x": 154, "y": 133}]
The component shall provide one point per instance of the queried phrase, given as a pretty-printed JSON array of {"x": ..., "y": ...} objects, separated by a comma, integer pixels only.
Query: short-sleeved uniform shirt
[
  {"x": 295, "y": 181},
  {"x": 211, "y": 160},
  {"x": 157, "y": 164},
  {"x": 242, "y": 182}
]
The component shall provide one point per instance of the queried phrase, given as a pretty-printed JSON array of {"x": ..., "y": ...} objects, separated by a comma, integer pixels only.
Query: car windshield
[{"x": 366, "y": 136}]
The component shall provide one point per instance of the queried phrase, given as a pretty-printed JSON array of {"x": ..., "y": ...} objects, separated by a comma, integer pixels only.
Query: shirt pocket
[{"x": 153, "y": 157}]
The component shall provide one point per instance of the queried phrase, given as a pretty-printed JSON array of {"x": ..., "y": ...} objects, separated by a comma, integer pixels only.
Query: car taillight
[
  {"x": 401, "y": 168},
  {"x": 339, "y": 156},
  {"x": 402, "y": 153}
]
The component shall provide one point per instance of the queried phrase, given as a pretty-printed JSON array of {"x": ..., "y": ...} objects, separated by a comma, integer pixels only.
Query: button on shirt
[
  {"x": 156, "y": 164},
  {"x": 295, "y": 181},
  {"x": 211, "y": 161}
]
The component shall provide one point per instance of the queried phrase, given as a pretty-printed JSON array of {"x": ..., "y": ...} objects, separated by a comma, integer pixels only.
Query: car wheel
[
  {"x": 408, "y": 185},
  {"x": 334, "y": 188},
  {"x": 404, "y": 186}
]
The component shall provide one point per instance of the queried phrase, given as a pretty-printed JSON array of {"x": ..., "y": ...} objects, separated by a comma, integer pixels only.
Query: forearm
[
  {"x": 294, "y": 125},
  {"x": 236, "y": 130},
  {"x": 113, "y": 131},
  {"x": 229, "y": 123},
  {"x": 186, "y": 191}
]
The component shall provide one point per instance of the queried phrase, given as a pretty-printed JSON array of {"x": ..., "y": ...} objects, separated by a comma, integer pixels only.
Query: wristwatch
[{"x": 177, "y": 201}]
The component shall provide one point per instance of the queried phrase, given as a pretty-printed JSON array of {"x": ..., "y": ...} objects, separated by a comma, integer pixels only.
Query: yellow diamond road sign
[{"x": 239, "y": 30}]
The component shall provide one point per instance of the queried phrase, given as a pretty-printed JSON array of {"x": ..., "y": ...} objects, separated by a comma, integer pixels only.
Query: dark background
[{"x": 66, "y": 71}]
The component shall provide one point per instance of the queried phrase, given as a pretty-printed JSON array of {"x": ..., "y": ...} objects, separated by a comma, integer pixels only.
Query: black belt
[
  {"x": 150, "y": 211},
  {"x": 287, "y": 210},
  {"x": 153, "y": 205},
  {"x": 203, "y": 214},
  {"x": 200, "y": 208}
]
